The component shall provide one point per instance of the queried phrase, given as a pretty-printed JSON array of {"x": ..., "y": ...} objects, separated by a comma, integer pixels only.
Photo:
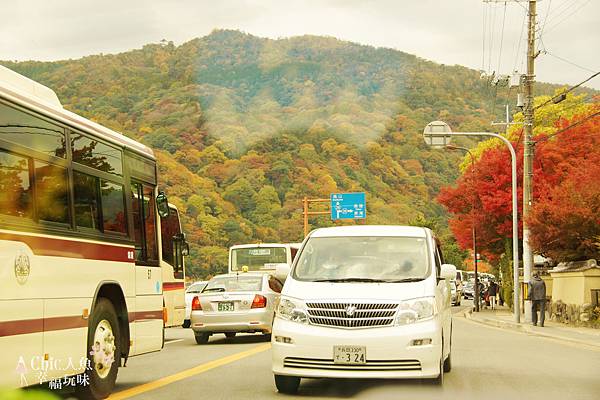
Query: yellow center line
[{"x": 167, "y": 380}]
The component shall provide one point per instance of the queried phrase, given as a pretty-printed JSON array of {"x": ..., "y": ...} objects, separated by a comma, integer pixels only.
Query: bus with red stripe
[{"x": 82, "y": 258}]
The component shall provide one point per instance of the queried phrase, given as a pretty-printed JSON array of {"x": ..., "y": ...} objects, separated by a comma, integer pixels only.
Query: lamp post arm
[{"x": 515, "y": 223}]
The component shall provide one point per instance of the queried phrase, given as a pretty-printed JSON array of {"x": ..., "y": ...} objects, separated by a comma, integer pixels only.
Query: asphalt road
[{"x": 488, "y": 363}]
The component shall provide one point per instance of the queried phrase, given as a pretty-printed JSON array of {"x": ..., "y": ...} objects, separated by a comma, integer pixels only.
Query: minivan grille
[
  {"x": 351, "y": 315},
  {"x": 370, "y": 365}
]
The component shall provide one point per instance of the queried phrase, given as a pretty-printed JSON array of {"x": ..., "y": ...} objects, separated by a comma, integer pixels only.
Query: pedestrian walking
[
  {"x": 492, "y": 292},
  {"x": 537, "y": 295}
]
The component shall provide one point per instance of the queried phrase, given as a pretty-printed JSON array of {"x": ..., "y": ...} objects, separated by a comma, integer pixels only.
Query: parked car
[
  {"x": 456, "y": 293},
  {"x": 364, "y": 302},
  {"x": 237, "y": 302},
  {"x": 192, "y": 290}
]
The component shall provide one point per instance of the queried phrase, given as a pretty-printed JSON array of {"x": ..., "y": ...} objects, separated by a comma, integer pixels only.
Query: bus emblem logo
[{"x": 22, "y": 268}]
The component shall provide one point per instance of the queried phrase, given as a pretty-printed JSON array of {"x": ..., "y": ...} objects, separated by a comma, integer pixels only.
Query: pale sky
[{"x": 445, "y": 31}]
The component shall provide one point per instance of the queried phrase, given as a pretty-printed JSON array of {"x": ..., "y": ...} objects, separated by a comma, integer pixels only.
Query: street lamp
[
  {"x": 438, "y": 135},
  {"x": 476, "y": 286}
]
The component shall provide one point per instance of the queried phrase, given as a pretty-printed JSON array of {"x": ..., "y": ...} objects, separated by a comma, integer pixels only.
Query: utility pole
[
  {"x": 528, "y": 151},
  {"x": 528, "y": 145}
]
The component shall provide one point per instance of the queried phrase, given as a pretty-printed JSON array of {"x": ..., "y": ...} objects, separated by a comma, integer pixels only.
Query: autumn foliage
[
  {"x": 244, "y": 127},
  {"x": 565, "y": 220}
]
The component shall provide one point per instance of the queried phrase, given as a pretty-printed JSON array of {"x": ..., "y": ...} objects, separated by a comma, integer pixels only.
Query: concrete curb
[{"x": 525, "y": 328}]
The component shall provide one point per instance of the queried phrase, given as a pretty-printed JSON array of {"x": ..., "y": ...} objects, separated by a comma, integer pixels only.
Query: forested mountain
[{"x": 245, "y": 127}]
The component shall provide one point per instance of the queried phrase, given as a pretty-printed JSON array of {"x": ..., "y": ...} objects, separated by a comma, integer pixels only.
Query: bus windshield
[{"x": 257, "y": 258}]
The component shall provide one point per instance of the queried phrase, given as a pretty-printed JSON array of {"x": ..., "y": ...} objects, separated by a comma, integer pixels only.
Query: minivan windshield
[{"x": 363, "y": 259}]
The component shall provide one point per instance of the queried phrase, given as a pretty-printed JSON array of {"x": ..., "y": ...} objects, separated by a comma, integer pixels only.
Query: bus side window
[
  {"x": 15, "y": 186},
  {"x": 150, "y": 225},
  {"x": 113, "y": 208},
  {"x": 51, "y": 194},
  {"x": 144, "y": 224},
  {"x": 172, "y": 245},
  {"x": 138, "y": 232}
]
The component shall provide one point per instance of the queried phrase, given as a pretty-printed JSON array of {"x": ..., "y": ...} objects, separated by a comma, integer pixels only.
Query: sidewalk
[{"x": 503, "y": 318}]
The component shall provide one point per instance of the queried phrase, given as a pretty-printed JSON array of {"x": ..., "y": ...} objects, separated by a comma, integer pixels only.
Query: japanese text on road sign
[{"x": 348, "y": 206}]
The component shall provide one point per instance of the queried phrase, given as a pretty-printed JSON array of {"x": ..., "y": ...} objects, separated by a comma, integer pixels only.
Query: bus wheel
[{"x": 104, "y": 352}]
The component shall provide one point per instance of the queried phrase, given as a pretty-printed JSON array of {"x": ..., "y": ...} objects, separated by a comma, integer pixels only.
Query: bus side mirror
[
  {"x": 179, "y": 240},
  {"x": 162, "y": 204}
]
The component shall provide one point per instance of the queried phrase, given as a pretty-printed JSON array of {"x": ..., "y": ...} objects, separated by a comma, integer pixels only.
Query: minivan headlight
[
  {"x": 411, "y": 311},
  {"x": 292, "y": 311}
]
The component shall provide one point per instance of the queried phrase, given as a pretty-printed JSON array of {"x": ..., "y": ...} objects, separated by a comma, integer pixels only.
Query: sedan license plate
[
  {"x": 226, "y": 306},
  {"x": 349, "y": 354}
]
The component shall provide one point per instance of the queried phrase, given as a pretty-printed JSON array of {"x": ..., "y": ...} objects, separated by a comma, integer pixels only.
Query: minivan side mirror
[
  {"x": 282, "y": 271},
  {"x": 448, "y": 272}
]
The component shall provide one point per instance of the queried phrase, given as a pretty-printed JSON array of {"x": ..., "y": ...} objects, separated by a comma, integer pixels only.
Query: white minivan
[{"x": 364, "y": 302}]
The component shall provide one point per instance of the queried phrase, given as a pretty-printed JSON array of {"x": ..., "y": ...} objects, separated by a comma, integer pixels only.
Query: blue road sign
[{"x": 348, "y": 206}]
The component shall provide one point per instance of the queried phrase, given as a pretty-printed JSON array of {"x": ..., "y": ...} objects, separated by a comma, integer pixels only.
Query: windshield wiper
[
  {"x": 351, "y": 280},
  {"x": 405, "y": 280}
]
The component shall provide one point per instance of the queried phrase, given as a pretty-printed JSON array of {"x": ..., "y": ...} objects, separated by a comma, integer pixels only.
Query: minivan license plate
[
  {"x": 226, "y": 306},
  {"x": 349, "y": 354}
]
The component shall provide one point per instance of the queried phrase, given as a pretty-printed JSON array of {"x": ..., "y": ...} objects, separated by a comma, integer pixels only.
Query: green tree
[
  {"x": 267, "y": 211},
  {"x": 242, "y": 194}
]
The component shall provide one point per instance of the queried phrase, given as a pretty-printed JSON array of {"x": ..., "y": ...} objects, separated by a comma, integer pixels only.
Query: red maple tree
[{"x": 566, "y": 195}]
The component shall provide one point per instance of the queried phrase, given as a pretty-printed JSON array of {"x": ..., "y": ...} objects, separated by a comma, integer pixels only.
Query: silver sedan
[
  {"x": 194, "y": 289},
  {"x": 237, "y": 302}
]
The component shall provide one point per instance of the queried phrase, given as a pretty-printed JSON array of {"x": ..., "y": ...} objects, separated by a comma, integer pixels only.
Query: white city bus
[
  {"x": 81, "y": 285},
  {"x": 261, "y": 256}
]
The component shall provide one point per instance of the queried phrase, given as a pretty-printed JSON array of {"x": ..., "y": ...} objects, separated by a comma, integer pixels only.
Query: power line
[
  {"x": 492, "y": 24},
  {"x": 483, "y": 36},
  {"x": 552, "y": 99},
  {"x": 564, "y": 7},
  {"x": 517, "y": 53},
  {"x": 568, "y": 127},
  {"x": 567, "y": 61},
  {"x": 501, "y": 39},
  {"x": 568, "y": 16},
  {"x": 545, "y": 19}
]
